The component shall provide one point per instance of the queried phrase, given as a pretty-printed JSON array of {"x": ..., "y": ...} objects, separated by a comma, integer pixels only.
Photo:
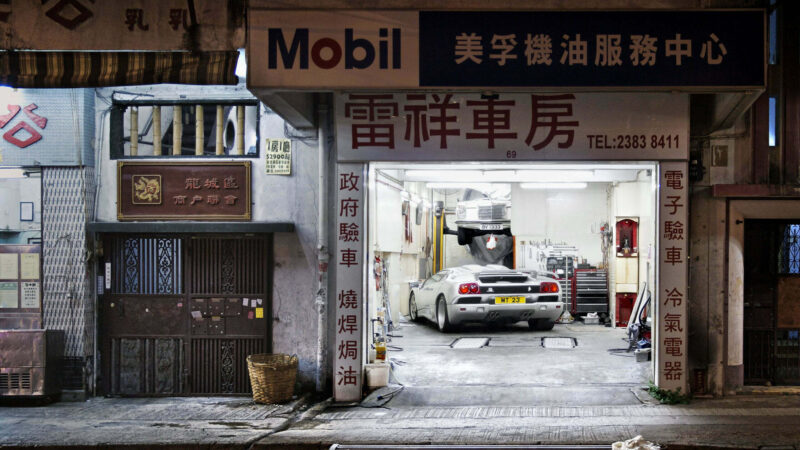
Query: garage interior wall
[
  {"x": 571, "y": 216},
  {"x": 388, "y": 241},
  {"x": 635, "y": 199}
]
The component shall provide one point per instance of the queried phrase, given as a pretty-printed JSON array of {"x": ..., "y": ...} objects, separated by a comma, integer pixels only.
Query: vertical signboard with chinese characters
[
  {"x": 670, "y": 337},
  {"x": 349, "y": 260}
]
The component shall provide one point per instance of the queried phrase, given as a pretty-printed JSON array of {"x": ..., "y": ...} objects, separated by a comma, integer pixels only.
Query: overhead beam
[{"x": 297, "y": 108}]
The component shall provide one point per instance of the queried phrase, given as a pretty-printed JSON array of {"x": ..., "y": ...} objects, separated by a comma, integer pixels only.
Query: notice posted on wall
[
  {"x": 9, "y": 266},
  {"x": 29, "y": 266},
  {"x": 9, "y": 293},
  {"x": 279, "y": 157},
  {"x": 30, "y": 294}
]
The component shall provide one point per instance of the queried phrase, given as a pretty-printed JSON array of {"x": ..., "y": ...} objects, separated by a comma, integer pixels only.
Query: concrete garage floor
[{"x": 514, "y": 369}]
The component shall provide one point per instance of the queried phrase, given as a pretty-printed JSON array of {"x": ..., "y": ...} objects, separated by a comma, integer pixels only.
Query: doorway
[
  {"x": 772, "y": 302},
  {"x": 460, "y": 255},
  {"x": 179, "y": 314}
]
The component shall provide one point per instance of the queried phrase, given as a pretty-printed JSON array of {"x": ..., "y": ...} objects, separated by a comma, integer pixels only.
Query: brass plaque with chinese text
[{"x": 183, "y": 190}]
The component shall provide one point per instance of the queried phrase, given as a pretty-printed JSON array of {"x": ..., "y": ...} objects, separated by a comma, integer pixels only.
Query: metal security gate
[
  {"x": 179, "y": 314},
  {"x": 772, "y": 302}
]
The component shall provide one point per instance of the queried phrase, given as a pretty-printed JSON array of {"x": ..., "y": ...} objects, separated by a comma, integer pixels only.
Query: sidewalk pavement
[
  {"x": 174, "y": 422},
  {"x": 740, "y": 422},
  {"x": 744, "y": 421}
]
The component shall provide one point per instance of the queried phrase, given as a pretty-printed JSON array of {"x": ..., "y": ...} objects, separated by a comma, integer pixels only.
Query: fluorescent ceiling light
[
  {"x": 462, "y": 185},
  {"x": 12, "y": 173},
  {"x": 443, "y": 175},
  {"x": 554, "y": 175},
  {"x": 553, "y": 185},
  {"x": 499, "y": 176}
]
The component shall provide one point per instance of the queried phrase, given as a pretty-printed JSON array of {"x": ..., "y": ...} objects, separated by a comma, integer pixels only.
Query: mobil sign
[
  {"x": 549, "y": 50},
  {"x": 314, "y": 49}
]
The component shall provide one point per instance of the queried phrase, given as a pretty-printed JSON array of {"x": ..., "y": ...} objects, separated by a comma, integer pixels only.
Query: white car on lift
[
  {"x": 478, "y": 213},
  {"x": 489, "y": 294}
]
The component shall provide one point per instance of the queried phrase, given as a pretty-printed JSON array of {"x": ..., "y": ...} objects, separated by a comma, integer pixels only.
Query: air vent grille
[{"x": 15, "y": 380}]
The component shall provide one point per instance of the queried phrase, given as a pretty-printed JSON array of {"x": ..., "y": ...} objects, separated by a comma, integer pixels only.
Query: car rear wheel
[
  {"x": 541, "y": 324},
  {"x": 442, "y": 320},
  {"x": 413, "y": 312}
]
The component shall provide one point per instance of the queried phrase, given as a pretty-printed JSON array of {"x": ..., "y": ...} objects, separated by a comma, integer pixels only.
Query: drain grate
[
  {"x": 470, "y": 343},
  {"x": 559, "y": 342}
]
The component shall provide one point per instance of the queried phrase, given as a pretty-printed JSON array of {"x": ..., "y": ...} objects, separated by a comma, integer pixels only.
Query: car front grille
[{"x": 499, "y": 211}]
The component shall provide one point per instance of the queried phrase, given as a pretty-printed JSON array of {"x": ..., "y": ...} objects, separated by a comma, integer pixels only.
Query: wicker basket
[{"x": 272, "y": 376}]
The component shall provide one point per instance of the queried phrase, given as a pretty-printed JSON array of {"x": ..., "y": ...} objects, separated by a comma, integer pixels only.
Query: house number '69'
[{"x": 511, "y": 154}]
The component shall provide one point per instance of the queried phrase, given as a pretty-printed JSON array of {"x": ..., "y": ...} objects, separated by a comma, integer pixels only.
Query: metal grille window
[
  {"x": 184, "y": 129},
  {"x": 146, "y": 266},
  {"x": 789, "y": 253},
  {"x": 228, "y": 266}
]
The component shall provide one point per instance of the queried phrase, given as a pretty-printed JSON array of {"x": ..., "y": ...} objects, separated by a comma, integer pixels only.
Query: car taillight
[
  {"x": 548, "y": 287},
  {"x": 468, "y": 288}
]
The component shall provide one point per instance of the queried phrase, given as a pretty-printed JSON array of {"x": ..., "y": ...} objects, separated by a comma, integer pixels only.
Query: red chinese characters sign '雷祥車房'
[{"x": 505, "y": 126}]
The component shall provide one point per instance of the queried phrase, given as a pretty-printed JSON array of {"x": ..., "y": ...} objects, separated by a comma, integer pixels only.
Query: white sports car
[{"x": 491, "y": 294}]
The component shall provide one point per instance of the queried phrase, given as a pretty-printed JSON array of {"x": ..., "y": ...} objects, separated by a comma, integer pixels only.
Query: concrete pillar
[
  {"x": 734, "y": 369},
  {"x": 707, "y": 287}
]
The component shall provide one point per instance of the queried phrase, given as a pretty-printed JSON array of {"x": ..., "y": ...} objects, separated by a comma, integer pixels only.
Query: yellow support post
[
  {"x": 177, "y": 130},
  {"x": 157, "y": 130},
  {"x": 220, "y": 129},
  {"x": 239, "y": 130},
  {"x": 199, "y": 138},
  {"x": 134, "y": 114}
]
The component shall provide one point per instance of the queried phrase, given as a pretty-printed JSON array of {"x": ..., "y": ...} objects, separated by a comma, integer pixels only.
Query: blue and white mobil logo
[
  {"x": 296, "y": 49},
  {"x": 350, "y": 49}
]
